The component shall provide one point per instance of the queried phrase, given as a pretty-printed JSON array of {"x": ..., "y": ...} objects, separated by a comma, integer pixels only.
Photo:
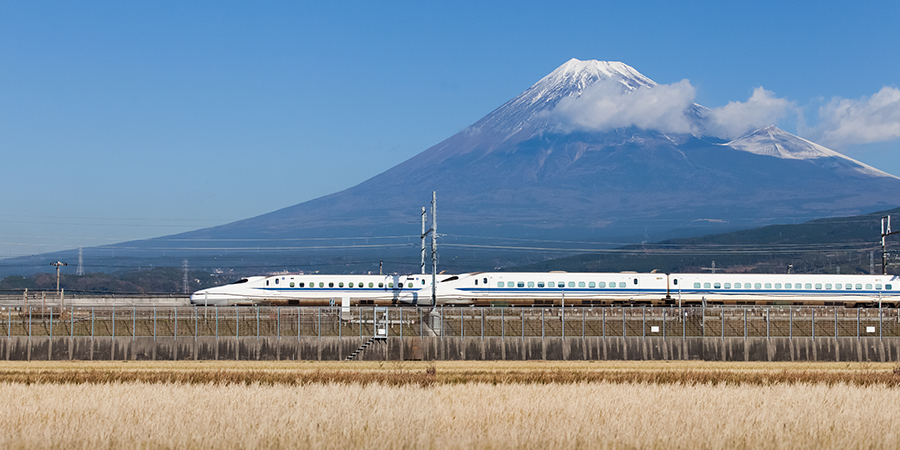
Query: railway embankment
[{"x": 864, "y": 349}]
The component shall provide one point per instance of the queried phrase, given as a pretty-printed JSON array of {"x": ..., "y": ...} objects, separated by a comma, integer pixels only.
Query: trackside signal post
[{"x": 885, "y": 232}]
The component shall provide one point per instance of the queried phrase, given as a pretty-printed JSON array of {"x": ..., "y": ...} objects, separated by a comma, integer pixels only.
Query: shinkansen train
[
  {"x": 558, "y": 288},
  {"x": 296, "y": 289}
]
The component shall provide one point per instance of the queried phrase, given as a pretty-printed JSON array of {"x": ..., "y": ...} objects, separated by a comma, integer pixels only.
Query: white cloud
[
  {"x": 665, "y": 107},
  {"x": 870, "y": 119},
  {"x": 606, "y": 105},
  {"x": 737, "y": 118}
]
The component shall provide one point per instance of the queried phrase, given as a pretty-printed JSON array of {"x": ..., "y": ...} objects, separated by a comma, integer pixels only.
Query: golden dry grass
[
  {"x": 535, "y": 404},
  {"x": 475, "y": 415}
]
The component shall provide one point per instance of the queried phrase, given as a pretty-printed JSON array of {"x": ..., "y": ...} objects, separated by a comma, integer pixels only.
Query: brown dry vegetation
[{"x": 448, "y": 405}]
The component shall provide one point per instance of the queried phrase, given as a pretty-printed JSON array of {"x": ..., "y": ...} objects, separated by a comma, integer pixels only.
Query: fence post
[
  {"x": 421, "y": 323},
  {"x": 442, "y": 322},
  {"x": 767, "y": 324},
  {"x": 217, "y": 323},
  {"x": 92, "y": 322},
  {"x": 542, "y": 323},
  {"x": 644, "y": 322},
  {"x": 523, "y": 324},
  {"x": 814, "y": 323},
  {"x": 237, "y": 327},
  {"x": 257, "y": 322},
  {"x": 835, "y": 323},
  {"x": 133, "y": 322},
  {"x": 114, "y": 323},
  {"x": 604, "y": 322},
  {"x": 462, "y": 323},
  {"x": 176, "y": 323},
  {"x": 857, "y": 324},
  {"x": 319, "y": 326},
  {"x": 51, "y": 323},
  {"x": 745, "y": 324},
  {"x": 482, "y": 324},
  {"x": 29, "y": 323},
  {"x": 664, "y": 323},
  {"x": 502, "y": 324},
  {"x": 683, "y": 323},
  {"x": 583, "y": 329},
  {"x": 723, "y": 324},
  {"x": 880, "y": 321},
  {"x": 298, "y": 324},
  {"x": 196, "y": 314},
  {"x": 563, "y": 320},
  {"x": 623, "y": 322},
  {"x": 790, "y": 322},
  {"x": 401, "y": 323}
]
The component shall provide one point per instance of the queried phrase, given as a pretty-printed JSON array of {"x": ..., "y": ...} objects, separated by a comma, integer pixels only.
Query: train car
[
  {"x": 785, "y": 289},
  {"x": 553, "y": 288},
  {"x": 321, "y": 290}
]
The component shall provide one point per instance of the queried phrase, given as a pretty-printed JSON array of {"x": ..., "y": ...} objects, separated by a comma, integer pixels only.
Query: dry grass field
[{"x": 448, "y": 405}]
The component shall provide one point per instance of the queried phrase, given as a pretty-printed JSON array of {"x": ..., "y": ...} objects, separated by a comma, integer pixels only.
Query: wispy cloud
[
  {"x": 606, "y": 105},
  {"x": 665, "y": 107},
  {"x": 866, "y": 120},
  {"x": 737, "y": 118}
]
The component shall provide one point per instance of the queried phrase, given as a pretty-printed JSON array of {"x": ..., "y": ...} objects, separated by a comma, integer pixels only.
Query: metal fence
[{"x": 465, "y": 322}]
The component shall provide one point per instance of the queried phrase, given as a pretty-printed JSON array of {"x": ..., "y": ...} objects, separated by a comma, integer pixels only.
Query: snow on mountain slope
[{"x": 773, "y": 141}]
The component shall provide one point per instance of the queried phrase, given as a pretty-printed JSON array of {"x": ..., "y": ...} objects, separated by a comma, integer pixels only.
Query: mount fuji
[{"x": 536, "y": 169}]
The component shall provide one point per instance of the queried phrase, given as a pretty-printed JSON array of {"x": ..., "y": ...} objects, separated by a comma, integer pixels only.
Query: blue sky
[{"x": 127, "y": 120}]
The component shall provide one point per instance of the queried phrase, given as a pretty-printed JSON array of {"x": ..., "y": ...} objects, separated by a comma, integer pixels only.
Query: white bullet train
[
  {"x": 320, "y": 290},
  {"x": 559, "y": 288}
]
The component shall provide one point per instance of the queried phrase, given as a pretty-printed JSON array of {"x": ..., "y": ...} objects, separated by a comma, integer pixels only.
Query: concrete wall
[{"x": 615, "y": 348}]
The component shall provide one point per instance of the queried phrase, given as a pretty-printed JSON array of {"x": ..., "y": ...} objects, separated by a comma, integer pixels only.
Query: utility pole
[
  {"x": 57, "y": 264},
  {"x": 433, "y": 248},
  {"x": 711, "y": 269},
  {"x": 885, "y": 232},
  {"x": 184, "y": 279},
  {"x": 424, "y": 233}
]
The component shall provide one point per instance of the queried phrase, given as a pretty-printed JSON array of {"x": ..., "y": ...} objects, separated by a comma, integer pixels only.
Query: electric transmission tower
[
  {"x": 80, "y": 270},
  {"x": 184, "y": 267}
]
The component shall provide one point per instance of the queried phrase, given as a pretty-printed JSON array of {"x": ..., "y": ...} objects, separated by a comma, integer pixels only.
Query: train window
[
  {"x": 807, "y": 286},
  {"x": 301, "y": 284},
  {"x": 675, "y": 282},
  {"x": 696, "y": 285},
  {"x": 768, "y": 285},
  {"x": 737, "y": 285},
  {"x": 371, "y": 284},
  {"x": 706, "y": 285},
  {"x": 571, "y": 284},
  {"x": 267, "y": 282},
  {"x": 521, "y": 284},
  {"x": 601, "y": 284},
  {"x": 350, "y": 285},
  {"x": 592, "y": 284},
  {"x": 292, "y": 284},
  {"x": 838, "y": 286},
  {"x": 341, "y": 284},
  {"x": 540, "y": 284},
  {"x": 621, "y": 284},
  {"x": 635, "y": 281},
  {"x": 484, "y": 280},
  {"x": 868, "y": 286},
  {"x": 777, "y": 285},
  {"x": 476, "y": 282},
  {"x": 787, "y": 285},
  {"x": 531, "y": 284},
  {"x": 888, "y": 287},
  {"x": 381, "y": 285},
  {"x": 858, "y": 286},
  {"x": 717, "y": 285},
  {"x": 409, "y": 284},
  {"x": 727, "y": 285},
  {"x": 499, "y": 284},
  {"x": 878, "y": 287},
  {"x": 581, "y": 284},
  {"x": 818, "y": 285},
  {"x": 757, "y": 286},
  {"x": 827, "y": 285},
  {"x": 276, "y": 281},
  {"x": 330, "y": 284},
  {"x": 391, "y": 285},
  {"x": 551, "y": 284}
]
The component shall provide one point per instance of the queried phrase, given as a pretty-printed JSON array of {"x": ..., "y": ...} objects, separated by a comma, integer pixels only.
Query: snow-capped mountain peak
[
  {"x": 527, "y": 111},
  {"x": 773, "y": 141}
]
